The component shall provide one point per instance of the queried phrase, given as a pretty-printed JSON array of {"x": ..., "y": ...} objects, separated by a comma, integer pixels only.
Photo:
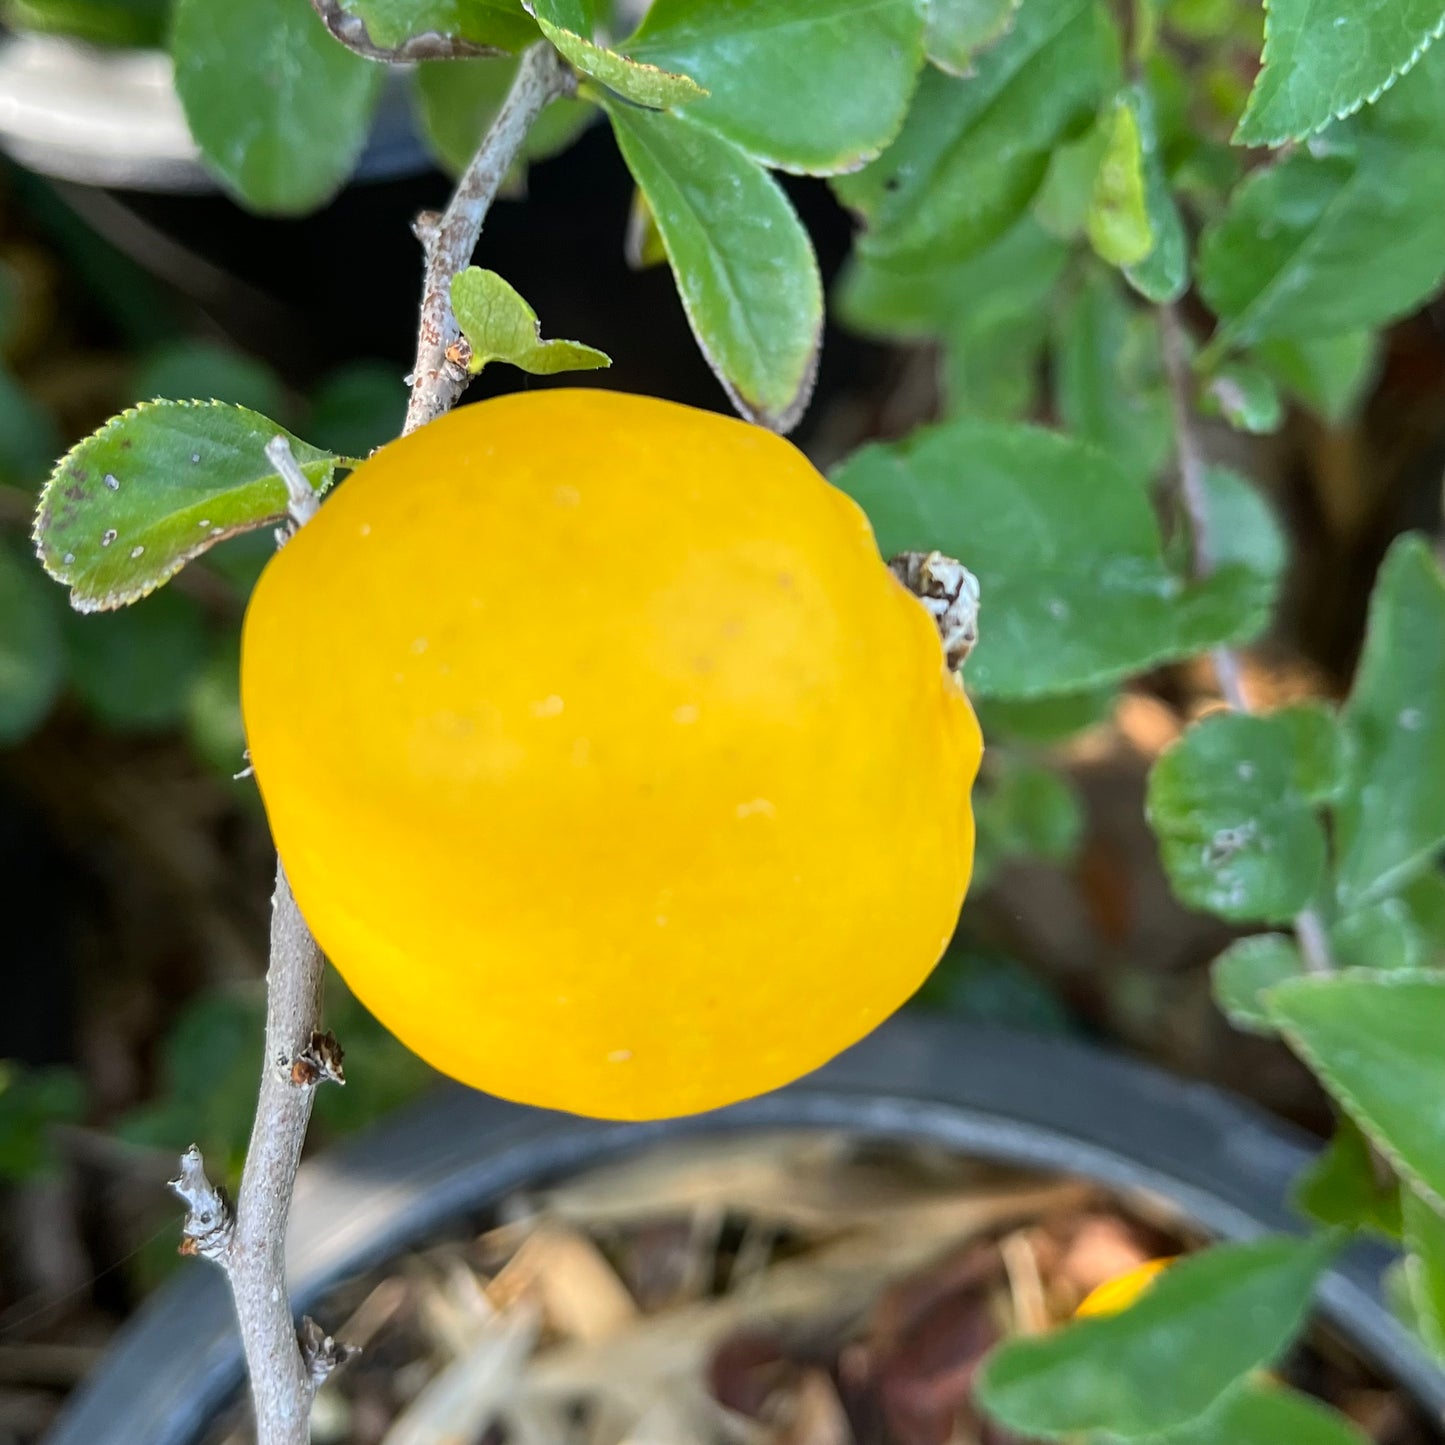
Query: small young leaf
[
  {"x": 1061, "y": 205},
  {"x": 154, "y": 487},
  {"x": 500, "y": 326},
  {"x": 1263, "y": 1412},
  {"x": 744, "y": 265},
  {"x": 1162, "y": 275},
  {"x": 1118, "y": 222},
  {"x": 642, "y": 84},
  {"x": 1245, "y": 970},
  {"x": 1373, "y": 1038},
  {"x": 1326, "y": 58},
  {"x": 959, "y": 29},
  {"x": 1329, "y": 374},
  {"x": 1235, "y": 822},
  {"x": 32, "y": 663},
  {"x": 973, "y": 152},
  {"x": 1204, "y": 1325},
  {"x": 816, "y": 86},
  {"x": 1425, "y": 1267},
  {"x": 278, "y": 108},
  {"x": 1391, "y": 820},
  {"x": 500, "y": 23},
  {"x": 1245, "y": 395},
  {"x": 1379, "y": 935},
  {"x": 1347, "y": 1187},
  {"x": 1077, "y": 595},
  {"x": 459, "y": 99}
]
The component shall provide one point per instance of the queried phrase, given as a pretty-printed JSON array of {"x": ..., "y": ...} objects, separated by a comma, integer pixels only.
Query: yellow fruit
[
  {"x": 608, "y": 762},
  {"x": 1117, "y": 1294}
]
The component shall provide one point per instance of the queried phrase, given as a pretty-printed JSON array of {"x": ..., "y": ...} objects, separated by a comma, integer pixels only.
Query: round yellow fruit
[{"x": 607, "y": 760}]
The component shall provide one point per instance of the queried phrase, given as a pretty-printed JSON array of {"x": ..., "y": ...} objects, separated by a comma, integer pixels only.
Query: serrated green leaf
[
  {"x": 1382, "y": 934},
  {"x": 1237, "y": 831},
  {"x": 958, "y": 30},
  {"x": 1339, "y": 237},
  {"x": 814, "y": 86},
  {"x": 135, "y": 669},
  {"x": 1326, "y": 58},
  {"x": 1329, "y": 374},
  {"x": 500, "y": 326},
  {"x": 634, "y": 80},
  {"x": 1118, "y": 222},
  {"x": 1391, "y": 821},
  {"x": 1347, "y": 1187},
  {"x": 1373, "y": 1039},
  {"x": 743, "y": 263},
  {"x": 200, "y": 371},
  {"x": 159, "y": 484},
  {"x": 1077, "y": 595},
  {"x": 1246, "y": 397},
  {"x": 1264, "y": 1412},
  {"x": 1109, "y": 378},
  {"x": 1424, "y": 1230},
  {"x": 1245, "y": 970},
  {"x": 1166, "y": 1359},
  {"x": 459, "y": 99},
  {"x": 32, "y": 662},
  {"x": 973, "y": 152},
  {"x": 1163, "y": 274},
  {"x": 1242, "y": 525},
  {"x": 500, "y": 23},
  {"x": 279, "y": 110}
]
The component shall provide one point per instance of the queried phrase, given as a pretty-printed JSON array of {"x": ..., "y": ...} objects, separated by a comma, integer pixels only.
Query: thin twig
[
  {"x": 1309, "y": 927},
  {"x": 437, "y": 381},
  {"x": 351, "y": 31}
]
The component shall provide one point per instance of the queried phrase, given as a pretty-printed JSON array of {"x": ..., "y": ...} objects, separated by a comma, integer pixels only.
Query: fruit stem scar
[{"x": 949, "y": 592}]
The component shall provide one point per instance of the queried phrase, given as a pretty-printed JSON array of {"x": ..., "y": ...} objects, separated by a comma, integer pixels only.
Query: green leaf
[
  {"x": 1166, "y": 1359},
  {"x": 31, "y": 1101},
  {"x": 1329, "y": 374},
  {"x": 500, "y": 23},
  {"x": 744, "y": 266},
  {"x": 1028, "y": 811},
  {"x": 642, "y": 247},
  {"x": 1245, "y": 395},
  {"x": 1065, "y": 546},
  {"x": 973, "y": 152},
  {"x": 135, "y": 669},
  {"x": 1382, "y": 934},
  {"x": 199, "y": 371},
  {"x": 959, "y": 29},
  {"x": 1373, "y": 1038},
  {"x": 1345, "y": 1187},
  {"x": 98, "y": 22},
  {"x": 1242, "y": 525},
  {"x": 1424, "y": 1230},
  {"x": 1162, "y": 275},
  {"x": 1391, "y": 821},
  {"x": 32, "y": 664},
  {"x": 816, "y": 86},
  {"x": 1326, "y": 58},
  {"x": 1109, "y": 380},
  {"x": 642, "y": 84},
  {"x": 358, "y": 407},
  {"x": 279, "y": 110},
  {"x": 458, "y": 100},
  {"x": 500, "y": 326},
  {"x": 159, "y": 484},
  {"x": 1061, "y": 205},
  {"x": 1425, "y": 899},
  {"x": 1263, "y": 1412},
  {"x": 1118, "y": 222},
  {"x": 1047, "y": 720},
  {"x": 213, "y": 710},
  {"x": 1232, "y": 804},
  {"x": 1245, "y": 970},
  {"x": 29, "y": 439},
  {"x": 1339, "y": 237},
  {"x": 989, "y": 988}
]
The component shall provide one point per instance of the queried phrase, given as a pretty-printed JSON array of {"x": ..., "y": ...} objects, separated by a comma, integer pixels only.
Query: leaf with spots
[{"x": 127, "y": 507}]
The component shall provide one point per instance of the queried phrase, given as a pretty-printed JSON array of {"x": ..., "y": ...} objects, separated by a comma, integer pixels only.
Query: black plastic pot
[{"x": 985, "y": 1093}]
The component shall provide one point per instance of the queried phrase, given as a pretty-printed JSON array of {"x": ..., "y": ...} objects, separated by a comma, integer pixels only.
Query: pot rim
[{"x": 988, "y": 1092}]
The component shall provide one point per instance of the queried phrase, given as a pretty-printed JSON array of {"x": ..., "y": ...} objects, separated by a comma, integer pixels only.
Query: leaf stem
[
  {"x": 449, "y": 240},
  {"x": 1193, "y": 468}
]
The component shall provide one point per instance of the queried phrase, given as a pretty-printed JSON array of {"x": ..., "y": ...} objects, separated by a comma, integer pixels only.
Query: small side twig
[
  {"x": 208, "y": 1225},
  {"x": 1309, "y": 926},
  {"x": 449, "y": 240},
  {"x": 301, "y": 498},
  {"x": 352, "y": 32}
]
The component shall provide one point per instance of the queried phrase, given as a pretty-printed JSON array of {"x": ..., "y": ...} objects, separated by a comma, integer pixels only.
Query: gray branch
[
  {"x": 351, "y": 31},
  {"x": 439, "y": 378}
]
